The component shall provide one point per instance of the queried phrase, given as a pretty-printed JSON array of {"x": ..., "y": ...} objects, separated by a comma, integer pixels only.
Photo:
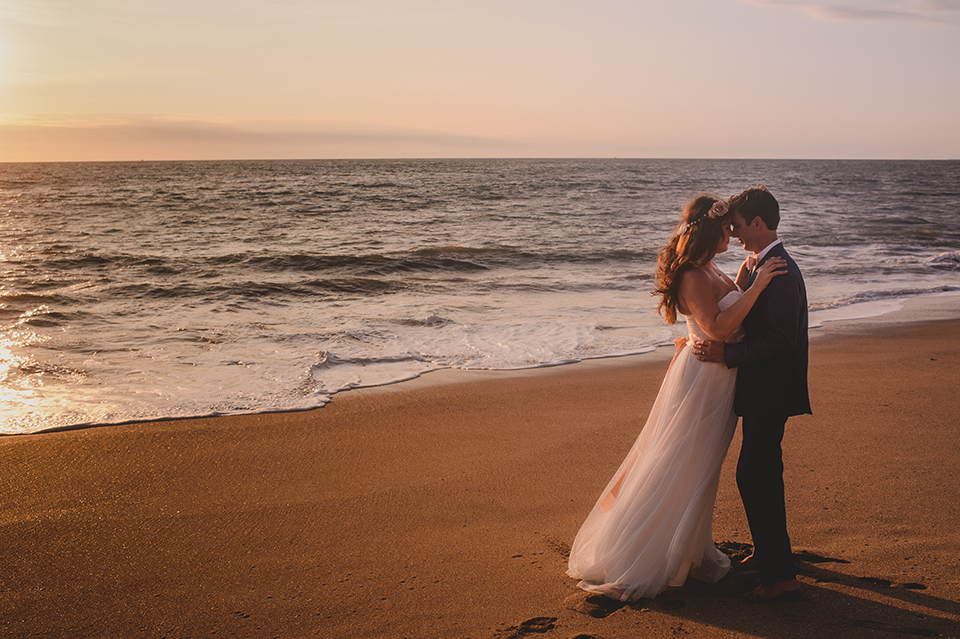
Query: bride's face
[{"x": 724, "y": 240}]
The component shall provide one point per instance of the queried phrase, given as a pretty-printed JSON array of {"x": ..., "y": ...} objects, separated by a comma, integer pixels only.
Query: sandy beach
[{"x": 432, "y": 509}]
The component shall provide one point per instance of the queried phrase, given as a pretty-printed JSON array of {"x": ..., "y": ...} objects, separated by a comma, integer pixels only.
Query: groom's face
[{"x": 742, "y": 231}]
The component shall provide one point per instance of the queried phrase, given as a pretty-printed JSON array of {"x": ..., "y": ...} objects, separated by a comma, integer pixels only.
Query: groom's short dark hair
[{"x": 754, "y": 202}]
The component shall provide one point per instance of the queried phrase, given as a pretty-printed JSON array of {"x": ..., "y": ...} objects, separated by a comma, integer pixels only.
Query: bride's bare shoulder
[
  {"x": 694, "y": 277},
  {"x": 695, "y": 283}
]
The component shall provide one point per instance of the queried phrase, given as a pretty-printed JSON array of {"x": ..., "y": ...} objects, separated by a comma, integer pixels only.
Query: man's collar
[{"x": 764, "y": 252}]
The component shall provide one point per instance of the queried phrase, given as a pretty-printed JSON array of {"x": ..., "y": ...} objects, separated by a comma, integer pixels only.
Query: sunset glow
[{"x": 131, "y": 80}]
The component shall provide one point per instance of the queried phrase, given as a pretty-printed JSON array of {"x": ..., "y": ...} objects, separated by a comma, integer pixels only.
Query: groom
[{"x": 771, "y": 386}]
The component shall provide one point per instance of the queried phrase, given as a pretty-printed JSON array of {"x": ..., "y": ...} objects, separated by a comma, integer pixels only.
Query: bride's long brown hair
[{"x": 693, "y": 244}]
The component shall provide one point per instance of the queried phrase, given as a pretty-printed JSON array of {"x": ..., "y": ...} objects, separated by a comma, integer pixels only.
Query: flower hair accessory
[{"x": 718, "y": 210}]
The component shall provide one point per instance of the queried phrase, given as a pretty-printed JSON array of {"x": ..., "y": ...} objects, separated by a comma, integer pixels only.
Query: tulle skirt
[{"x": 653, "y": 523}]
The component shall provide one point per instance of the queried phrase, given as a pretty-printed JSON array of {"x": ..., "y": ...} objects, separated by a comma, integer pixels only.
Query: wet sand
[{"x": 446, "y": 510}]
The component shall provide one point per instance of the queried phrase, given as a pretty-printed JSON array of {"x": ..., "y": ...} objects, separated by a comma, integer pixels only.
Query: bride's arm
[
  {"x": 743, "y": 275},
  {"x": 696, "y": 295}
]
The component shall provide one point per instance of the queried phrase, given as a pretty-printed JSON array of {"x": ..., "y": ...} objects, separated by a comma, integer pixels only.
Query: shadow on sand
[{"x": 833, "y": 604}]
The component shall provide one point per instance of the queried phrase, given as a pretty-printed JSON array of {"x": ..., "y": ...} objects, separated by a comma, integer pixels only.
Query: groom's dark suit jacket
[{"x": 772, "y": 358}]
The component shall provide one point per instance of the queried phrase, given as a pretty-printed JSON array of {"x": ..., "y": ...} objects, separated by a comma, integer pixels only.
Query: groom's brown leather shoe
[{"x": 747, "y": 564}]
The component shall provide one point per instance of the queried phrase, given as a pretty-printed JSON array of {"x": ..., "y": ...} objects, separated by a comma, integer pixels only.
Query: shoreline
[
  {"x": 919, "y": 310},
  {"x": 447, "y": 509},
  {"x": 879, "y": 315}
]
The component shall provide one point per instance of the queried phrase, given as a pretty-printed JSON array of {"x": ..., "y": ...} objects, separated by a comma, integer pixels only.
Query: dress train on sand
[{"x": 653, "y": 523}]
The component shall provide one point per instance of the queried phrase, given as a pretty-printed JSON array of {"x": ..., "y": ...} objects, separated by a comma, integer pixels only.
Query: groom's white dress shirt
[{"x": 763, "y": 253}]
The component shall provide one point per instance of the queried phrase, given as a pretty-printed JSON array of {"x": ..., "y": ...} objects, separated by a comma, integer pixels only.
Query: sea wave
[
  {"x": 947, "y": 261},
  {"x": 862, "y": 297}
]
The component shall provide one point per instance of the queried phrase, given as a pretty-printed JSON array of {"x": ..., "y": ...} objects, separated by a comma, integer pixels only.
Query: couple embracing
[{"x": 746, "y": 355}]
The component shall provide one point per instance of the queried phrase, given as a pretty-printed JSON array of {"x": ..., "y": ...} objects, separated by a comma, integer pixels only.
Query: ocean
[{"x": 156, "y": 290}]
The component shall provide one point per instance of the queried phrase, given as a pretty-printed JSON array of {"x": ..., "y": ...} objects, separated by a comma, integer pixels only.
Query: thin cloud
[
  {"x": 33, "y": 12},
  {"x": 191, "y": 140},
  {"x": 916, "y": 12},
  {"x": 934, "y": 5}
]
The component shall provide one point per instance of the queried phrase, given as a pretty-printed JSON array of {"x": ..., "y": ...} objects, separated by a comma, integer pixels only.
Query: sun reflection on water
[
  {"x": 21, "y": 378},
  {"x": 6, "y": 361},
  {"x": 17, "y": 402}
]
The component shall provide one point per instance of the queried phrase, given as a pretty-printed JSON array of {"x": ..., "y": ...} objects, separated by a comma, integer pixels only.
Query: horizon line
[{"x": 483, "y": 158}]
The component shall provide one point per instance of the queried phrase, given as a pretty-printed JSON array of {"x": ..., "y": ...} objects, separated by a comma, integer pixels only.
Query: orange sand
[{"x": 446, "y": 509}]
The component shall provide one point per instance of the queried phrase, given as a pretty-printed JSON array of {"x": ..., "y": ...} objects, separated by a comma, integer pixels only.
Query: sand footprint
[{"x": 535, "y": 626}]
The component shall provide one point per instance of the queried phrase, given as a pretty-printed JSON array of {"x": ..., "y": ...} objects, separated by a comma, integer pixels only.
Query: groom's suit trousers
[{"x": 760, "y": 480}]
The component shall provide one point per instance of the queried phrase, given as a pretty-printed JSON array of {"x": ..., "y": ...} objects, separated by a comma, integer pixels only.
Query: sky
[{"x": 241, "y": 79}]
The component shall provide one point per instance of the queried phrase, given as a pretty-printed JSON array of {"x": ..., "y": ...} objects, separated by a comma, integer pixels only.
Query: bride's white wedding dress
[{"x": 653, "y": 523}]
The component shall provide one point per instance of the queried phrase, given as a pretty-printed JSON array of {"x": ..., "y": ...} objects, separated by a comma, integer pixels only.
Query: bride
[{"x": 652, "y": 525}]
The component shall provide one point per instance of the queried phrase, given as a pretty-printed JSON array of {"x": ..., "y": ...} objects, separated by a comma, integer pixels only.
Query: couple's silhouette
[{"x": 745, "y": 355}]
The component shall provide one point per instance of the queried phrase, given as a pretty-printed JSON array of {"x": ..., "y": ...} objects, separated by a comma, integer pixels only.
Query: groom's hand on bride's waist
[{"x": 709, "y": 351}]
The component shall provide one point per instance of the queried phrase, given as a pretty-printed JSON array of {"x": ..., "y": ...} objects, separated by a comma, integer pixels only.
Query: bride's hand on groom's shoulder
[{"x": 770, "y": 269}]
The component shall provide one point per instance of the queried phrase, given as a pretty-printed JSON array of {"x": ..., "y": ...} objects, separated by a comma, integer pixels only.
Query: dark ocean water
[{"x": 168, "y": 289}]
